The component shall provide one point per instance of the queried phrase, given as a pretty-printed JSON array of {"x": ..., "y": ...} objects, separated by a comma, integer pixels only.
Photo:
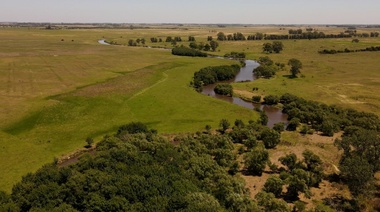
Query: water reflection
[{"x": 274, "y": 114}]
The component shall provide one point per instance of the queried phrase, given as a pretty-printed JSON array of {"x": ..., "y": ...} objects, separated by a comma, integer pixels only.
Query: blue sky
[{"x": 194, "y": 11}]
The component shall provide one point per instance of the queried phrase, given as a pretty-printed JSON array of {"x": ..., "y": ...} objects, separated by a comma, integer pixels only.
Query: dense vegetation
[
  {"x": 333, "y": 51},
  {"x": 139, "y": 172},
  {"x": 223, "y": 89},
  {"x": 185, "y": 51},
  {"x": 210, "y": 75},
  {"x": 235, "y": 55},
  {"x": 267, "y": 68}
]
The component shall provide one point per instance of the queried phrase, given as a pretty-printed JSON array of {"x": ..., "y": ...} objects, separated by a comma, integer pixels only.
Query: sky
[{"x": 193, "y": 11}]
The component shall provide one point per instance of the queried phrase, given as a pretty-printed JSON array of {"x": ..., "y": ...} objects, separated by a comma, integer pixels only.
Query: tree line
[
  {"x": 346, "y": 50},
  {"x": 293, "y": 35},
  {"x": 185, "y": 51}
]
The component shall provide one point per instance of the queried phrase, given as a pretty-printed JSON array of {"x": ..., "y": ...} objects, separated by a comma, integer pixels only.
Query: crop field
[{"x": 59, "y": 87}]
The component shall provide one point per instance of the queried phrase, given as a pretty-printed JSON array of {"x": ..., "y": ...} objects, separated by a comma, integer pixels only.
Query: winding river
[{"x": 274, "y": 114}]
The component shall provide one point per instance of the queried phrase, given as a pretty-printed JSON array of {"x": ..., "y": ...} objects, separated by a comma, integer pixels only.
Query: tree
[
  {"x": 267, "y": 47},
  {"x": 265, "y": 61},
  {"x": 269, "y": 203},
  {"x": 214, "y": 45},
  {"x": 223, "y": 89},
  {"x": 270, "y": 138},
  {"x": 256, "y": 160},
  {"x": 131, "y": 43},
  {"x": 221, "y": 36},
  {"x": 295, "y": 66},
  {"x": 289, "y": 160},
  {"x": 274, "y": 185},
  {"x": 89, "y": 142},
  {"x": 295, "y": 186},
  {"x": 271, "y": 99},
  {"x": 207, "y": 47},
  {"x": 224, "y": 124},
  {"x": 358, "y": 174},
  {"x": 293, "y": 124},
  {"x": 279, "y": 127},
  {"x": 277, "y": 46},
  {"x": 193, "y": 45}
]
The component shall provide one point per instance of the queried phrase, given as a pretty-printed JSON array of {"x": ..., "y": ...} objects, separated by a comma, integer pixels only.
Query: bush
[
  {"x": 256, "y": 99},
  {"x": 270, "y": 138},
  {"x": 271, "y": 100},
  {"x": 293, "y": 124},
  {"x": 224, "y": 89},
  {"x": 133, "y": 128},
  {"x": 279, "y": 127}
]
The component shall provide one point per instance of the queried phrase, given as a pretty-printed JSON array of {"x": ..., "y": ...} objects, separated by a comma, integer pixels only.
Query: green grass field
[
  {"x": 60, "y": 86},
  {"x": 56, "y": 93}
]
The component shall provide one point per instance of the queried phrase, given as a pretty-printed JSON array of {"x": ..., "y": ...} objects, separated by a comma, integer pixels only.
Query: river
[
  {"x": 274, "y": 114},
  {"x": 245, "y": 74}
]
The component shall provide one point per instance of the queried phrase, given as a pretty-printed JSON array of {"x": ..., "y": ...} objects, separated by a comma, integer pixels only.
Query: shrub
[
  {"x": 224, "y": 89},
  {"x": 256, "y": 99}
]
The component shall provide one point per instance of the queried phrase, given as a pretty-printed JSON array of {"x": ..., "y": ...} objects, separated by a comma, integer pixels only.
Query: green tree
[
  {"x": 256, "y": 160},
  {"x": 267, "y": 47},
  {"x": 290, "y": 161},
  {"x": 221, "y": 36},
  {"x": 274, "y": 185},
  {"x": 214, "y": 45},
  {"x": 224, "y": 124},
  {"x": 293, "y": 124},
  {"x": 277, "y": 46},
  {"x": 89, "y": 142},
  {"x": 295, "y": 67},
  {"x": 269, "y": 203},
  {"x": 358, "y": 174},
  {"x": 279, "y": 127},
  {"x": 270, "y": 138}
]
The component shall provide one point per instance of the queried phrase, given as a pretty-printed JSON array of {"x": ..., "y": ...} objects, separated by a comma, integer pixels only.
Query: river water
[{"x": 274, "y": 114}]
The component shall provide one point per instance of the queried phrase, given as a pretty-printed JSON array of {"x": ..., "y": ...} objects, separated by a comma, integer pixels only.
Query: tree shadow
[{"x": 289, "y": 76}]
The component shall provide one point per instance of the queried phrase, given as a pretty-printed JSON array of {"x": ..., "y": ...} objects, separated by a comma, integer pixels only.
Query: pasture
[{"x": 59, "y": 87}]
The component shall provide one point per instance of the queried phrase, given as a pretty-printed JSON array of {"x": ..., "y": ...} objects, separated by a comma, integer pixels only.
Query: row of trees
[
  {"x": 213, "y": 74},
  {"x": 231, "y": 37},
  {"x": 346, "y": 50},
  {"x": 185, "y": 51},
  {"x": 212, "y": 45},
  {"x": 295, "y": 35},
  {"x": 236, "y": 55}
]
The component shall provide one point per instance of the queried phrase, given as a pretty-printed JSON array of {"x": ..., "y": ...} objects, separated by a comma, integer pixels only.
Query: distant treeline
[
  {"x": 333, "y": 51},
  {"x": 185, "y": 51},
  {"x": 293, "y": 35},
  {"x": 213, "y": 74}
]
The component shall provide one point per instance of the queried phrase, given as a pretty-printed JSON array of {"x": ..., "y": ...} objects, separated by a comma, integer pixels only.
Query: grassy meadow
[
  {"x": 56, "y": 93},
  {"x": 61, "y": 86}
]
